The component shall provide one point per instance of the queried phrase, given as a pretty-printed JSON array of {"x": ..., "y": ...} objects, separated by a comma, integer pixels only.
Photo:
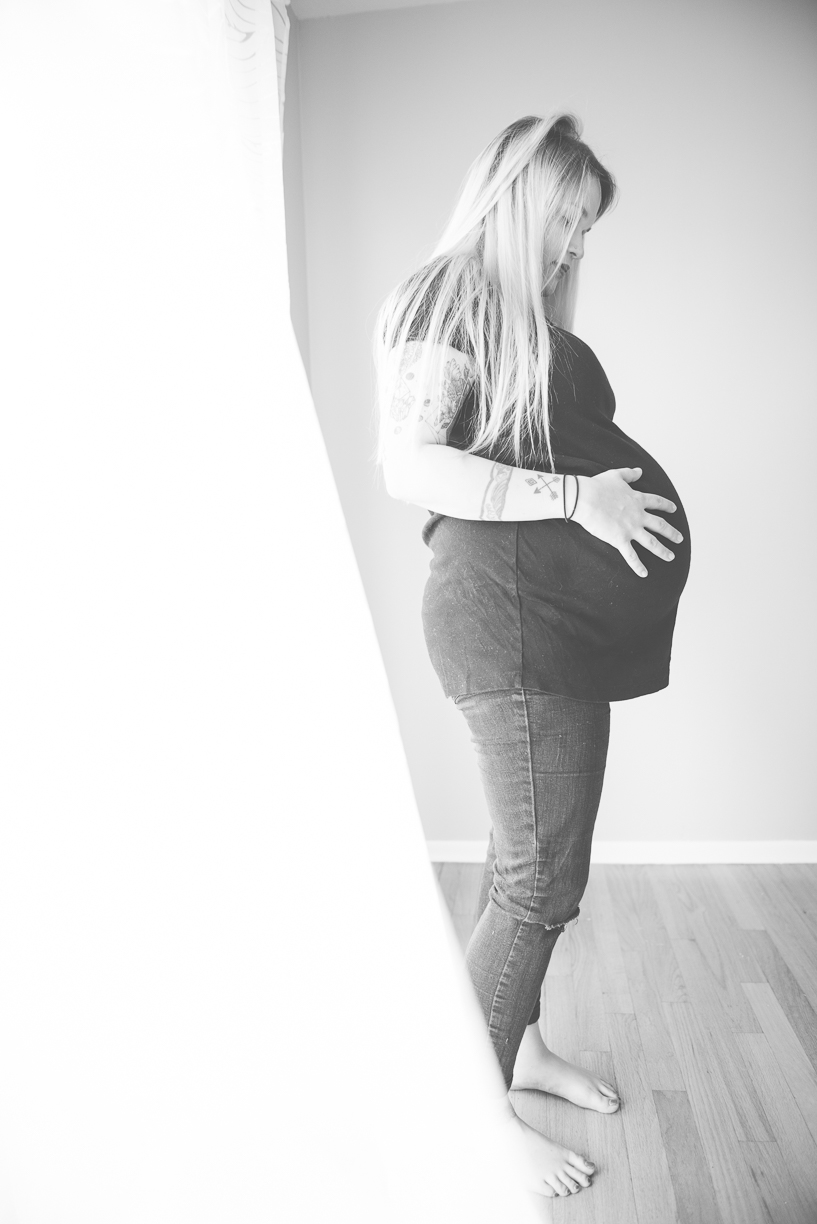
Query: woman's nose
[{"x": 576, "y": 247}]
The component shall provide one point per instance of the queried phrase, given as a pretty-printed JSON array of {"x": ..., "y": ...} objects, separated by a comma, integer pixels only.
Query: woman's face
[{"x": 575, "y": 247}]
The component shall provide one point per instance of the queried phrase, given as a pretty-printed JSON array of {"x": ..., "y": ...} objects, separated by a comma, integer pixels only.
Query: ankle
[{"x": 532, "y": 1044}]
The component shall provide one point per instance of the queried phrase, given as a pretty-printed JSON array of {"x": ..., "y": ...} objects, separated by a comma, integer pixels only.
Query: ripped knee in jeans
[{"x": 561, "y": 926}]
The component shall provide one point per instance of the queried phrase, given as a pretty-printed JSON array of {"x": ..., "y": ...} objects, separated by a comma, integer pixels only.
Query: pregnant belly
[
  {"x": 546, "y": 604},
  {"x": 565, "y": 570}
]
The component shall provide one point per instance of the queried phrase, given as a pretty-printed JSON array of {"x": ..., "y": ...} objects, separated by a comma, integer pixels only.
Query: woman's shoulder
[
  {"x": 563, "y": 339},
  {"x": 577, "y": 375},
  {"x": 421, "y": 297},
  {"x": 568, "y": 350}
]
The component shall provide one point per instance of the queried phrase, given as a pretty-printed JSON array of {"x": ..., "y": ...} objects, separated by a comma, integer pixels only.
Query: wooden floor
[{"x": 695, "y": 990}]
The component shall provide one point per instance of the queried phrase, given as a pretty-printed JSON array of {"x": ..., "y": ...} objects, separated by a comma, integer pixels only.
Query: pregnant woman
[{"x": 553, "y": 588}]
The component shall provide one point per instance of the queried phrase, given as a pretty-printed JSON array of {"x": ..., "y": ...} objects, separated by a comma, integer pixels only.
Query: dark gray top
[{"x": 544, "y": 604}]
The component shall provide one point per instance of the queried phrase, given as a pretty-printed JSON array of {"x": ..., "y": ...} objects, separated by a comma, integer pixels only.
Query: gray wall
[{"x": 697, "y": 296}]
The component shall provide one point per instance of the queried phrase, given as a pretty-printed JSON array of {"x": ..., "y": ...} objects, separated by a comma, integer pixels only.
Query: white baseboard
[{"x": 654, "y": 851}]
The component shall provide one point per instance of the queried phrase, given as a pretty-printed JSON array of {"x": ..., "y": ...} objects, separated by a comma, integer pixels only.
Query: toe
[
  {"x": 580, "y": 1163},
  {"x": 572, "y": 1186}
]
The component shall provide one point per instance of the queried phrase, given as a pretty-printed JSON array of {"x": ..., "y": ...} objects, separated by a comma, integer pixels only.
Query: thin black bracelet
[
  {"x": 568, "y": 517},
  {"x": 576, "y": 502}
]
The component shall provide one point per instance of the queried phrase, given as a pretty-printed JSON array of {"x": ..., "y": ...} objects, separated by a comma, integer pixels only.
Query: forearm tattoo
[
  {"x": 542, "y": 482},
  {"x": 438, "y": 415},
  {"x": 496, "y": 492}
]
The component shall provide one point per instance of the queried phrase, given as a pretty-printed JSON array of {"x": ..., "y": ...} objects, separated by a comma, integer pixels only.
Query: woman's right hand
[{"x": 611, "y": 511}]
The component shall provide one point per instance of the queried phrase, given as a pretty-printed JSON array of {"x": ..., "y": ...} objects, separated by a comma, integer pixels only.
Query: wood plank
[
  {"x": 612, "y": 973},
  {"x": 691, "y": 1178},
  {"x": 799, "y": 881},
  {"x": 562, "y": 958},
  {"x": 789, "y": 932},
  {"x": 677, "y": 907},
  {"x": 748, "y": 1117},
  {"x": 559, "y": 1017},
  {"x": 730, "y": 879},
  {"x": 612, "y": 1188},
  {"x": 797, "y": 1146},
  {"x": 729, "y": 960},
  {"x": 799, "y": 1012},
  {"x": 663, "y": 1068},
  {"x": 467, "y": 890},
  {"x": 785, "y": 889},
  {"x": 591, "y": 1021},
  {"x": 651, "y": 968},
  {"x": 736, "y": 1195},
  {"x": 476, "y": 914},
  {"x": 797, "y": 1070},
  {"x": 446, "y": 878},
  {"x": 652, "y": 1185},
  {"x": 458, "y": 882},
  {"x": 640, "y": 924},
  {"x": 471, "y": 893},
  {"x": 447, "y": 881},
  {"x": 720, "y": 924},
  {"x": 783, "y": 1199}
]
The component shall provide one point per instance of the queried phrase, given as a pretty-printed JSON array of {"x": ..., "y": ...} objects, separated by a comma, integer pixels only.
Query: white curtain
[
  {"x": 227, "y": 991},
  {"x": 280, "y": 21}
]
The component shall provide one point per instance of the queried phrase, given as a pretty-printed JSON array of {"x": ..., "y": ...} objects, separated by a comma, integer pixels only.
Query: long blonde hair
[{"x": 482, "y": 288}]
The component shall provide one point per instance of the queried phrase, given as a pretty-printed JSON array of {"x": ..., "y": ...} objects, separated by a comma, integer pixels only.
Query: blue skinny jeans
[{"x": 542, "y": 760}]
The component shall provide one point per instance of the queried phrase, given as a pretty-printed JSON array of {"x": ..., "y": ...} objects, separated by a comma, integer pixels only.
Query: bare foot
[
  {"x": 555, "y": 1170},
  {"x": 539, "y": 1068}
]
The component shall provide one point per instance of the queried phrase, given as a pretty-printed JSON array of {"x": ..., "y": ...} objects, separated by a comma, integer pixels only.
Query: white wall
[{"x": 698, "y": 298}]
